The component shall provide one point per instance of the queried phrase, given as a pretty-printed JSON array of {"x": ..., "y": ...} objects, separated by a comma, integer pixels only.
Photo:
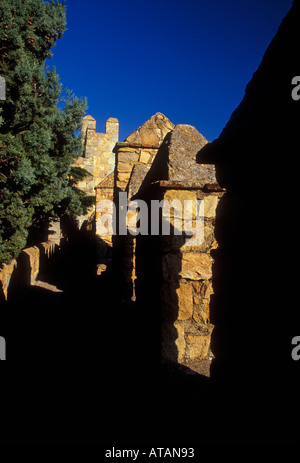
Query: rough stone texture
[
  {"x": 185, "y": 301},
  {"x": 104, "y": 216},
  {"x": 193, "y": 194},
  {"x": 24, "y": 270},
  {"x": 152, "y": 132},
  {"x": 183, "y": 267},
  {"x": 161, "y": 158},
  {"x": 198, "y": 346},
  {"x": 180, "y": 342},
  {"x": 196, "y": 266},
  {"x": 189, "y": 265},
  {"x": 181, "y": 242},
  {"x": 128, "y": 155},
  {"x": 178, "y": 301},
  {"x": 33, "y": 254},
  {"x": 173, "y": 342},
  {"x": 139, "y": 172},
  {"x": 180, "y": 196},
  {"x": 98, "y": 158},
  {"x": 134, "y": 158},
  {"x": 6, "y": 272},
  {"x": 210, "y": 206},
  {"x": 136, "y": 154},
  {"x": 185, "y": 142}
]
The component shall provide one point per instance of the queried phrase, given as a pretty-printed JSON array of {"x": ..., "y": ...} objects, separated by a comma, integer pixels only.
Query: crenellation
[{"x": 158, "y": 161}]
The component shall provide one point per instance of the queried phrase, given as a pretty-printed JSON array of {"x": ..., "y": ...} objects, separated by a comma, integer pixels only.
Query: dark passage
[
  {"x": 89, "y": 362},
  {"x": 255, "y": 309},
  {"x": 84, "y": 367}
]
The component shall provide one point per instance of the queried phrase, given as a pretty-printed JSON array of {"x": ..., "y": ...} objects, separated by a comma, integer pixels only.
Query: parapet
[
  {"x": 88, "y": 123},
  {"x": 112, "y": 128}
]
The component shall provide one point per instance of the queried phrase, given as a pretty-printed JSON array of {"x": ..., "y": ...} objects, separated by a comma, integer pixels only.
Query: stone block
[
  {"x": 210, "y": 206},
  {"x": 124, "y": 176},
  {"x": 33, "y": 254},
  {"x": 121, "y": 185},
  {"x": 177, "y": 301},
  {"x": 148, "y": 137},
  {"x": 124, "y": 167},
  {"x": 204, "y": 238},
  {"x": 128, "y": 156},
  {"x": 152, "y": 132},
  {"x": 185, "y": 202},
  {"x": 180, "y": 341},
  {"x": 182, "y": 147},
  {"x": 180, "y": 195},
  {"x": 112, "y": 128},
  {"x": 173, "y": 342},
  {"x": 6, "y": 272},
  {"x": 185, "y": 301},
  {"x": 196, "y": 286},
  {"x": 196, "y": 266},
  {"x": 205, "y": 310},
  {"x": 189, "y": 265},
  {"x": 138, "y": 175},
  {"x": 198, "y": 346},
  {"x": 196, "y": 317},
  {"x": 145, "y": 157}
]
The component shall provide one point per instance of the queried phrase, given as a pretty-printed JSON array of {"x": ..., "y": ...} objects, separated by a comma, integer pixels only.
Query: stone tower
[{"x": 98, "y": 157}]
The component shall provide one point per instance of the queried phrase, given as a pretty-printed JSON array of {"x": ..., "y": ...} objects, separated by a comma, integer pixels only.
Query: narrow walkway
[
  {"x": 73, "y": 319},
  {"x": 48, "y": 286},
  {"x": 86, "y": 353},
  {"x": 71, "y": 311}
]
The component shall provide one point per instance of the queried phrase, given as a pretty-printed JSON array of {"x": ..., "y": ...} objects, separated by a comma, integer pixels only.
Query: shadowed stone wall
[
  {"x": 98, "y": 158},
  {"x": 24, "y": 270},
  {"x": 175, "y": 271},
  {"x": 169, "y": 275},
  {"x": 134, "y": 158}
]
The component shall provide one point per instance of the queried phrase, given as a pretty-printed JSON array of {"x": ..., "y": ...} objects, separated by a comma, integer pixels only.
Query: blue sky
[{"x": 189, "y": 59}]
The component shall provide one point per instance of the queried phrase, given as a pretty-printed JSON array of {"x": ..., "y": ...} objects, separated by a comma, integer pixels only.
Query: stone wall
[
  {"x": 24, "y": 270},
  {"x": 6, "y": 272},
  {"x": 168, "y": 275},
  {"x": 172, "y": 273},
  {"x": 187, "y": 272},
  {"x": 256, "y": 311},
  {"x": 98, "y": 158},
  {"x": 105, "y": 192},
  {"x": 134, "y": 158},
  {"x": 135, "y": 155}
]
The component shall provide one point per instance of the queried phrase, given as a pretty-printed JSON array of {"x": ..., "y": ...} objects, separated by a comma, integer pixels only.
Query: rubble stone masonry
[{"x": 182, "y": 275}]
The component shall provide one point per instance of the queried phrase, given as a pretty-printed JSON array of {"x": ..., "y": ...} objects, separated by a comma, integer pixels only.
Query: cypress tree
[{"x": 39, "y": 128}]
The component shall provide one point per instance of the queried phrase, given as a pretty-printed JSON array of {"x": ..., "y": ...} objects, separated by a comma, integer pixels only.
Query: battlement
[
  {"x": 98, "y": 158},
  {"x": 112, "y": 127}
]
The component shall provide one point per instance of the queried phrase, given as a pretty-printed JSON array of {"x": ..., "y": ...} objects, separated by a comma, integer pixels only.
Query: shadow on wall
[
  {"x": 167, "y": 321},
  {"x": 21, "y": 277},
  {"x": 99, "y": 355},
  {"x": 255, "y": 284},
  {"x": 64, "y": 316},
  {"x": 255, "y": 306},
  {"x": 2, "y": 295},
  {"x": 152, "y": 290}
]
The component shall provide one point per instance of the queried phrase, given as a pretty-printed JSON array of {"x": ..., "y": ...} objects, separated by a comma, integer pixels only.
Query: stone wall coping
[
  {"x": 34, "y": 253},
  {"x": 99, "y": 186},
  {"x": 171, "y": 184},
  {"x": 126, "y": 144}
]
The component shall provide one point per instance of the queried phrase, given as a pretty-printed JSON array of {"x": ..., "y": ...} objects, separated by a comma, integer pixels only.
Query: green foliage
[{"x": 39, "y": 129}]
